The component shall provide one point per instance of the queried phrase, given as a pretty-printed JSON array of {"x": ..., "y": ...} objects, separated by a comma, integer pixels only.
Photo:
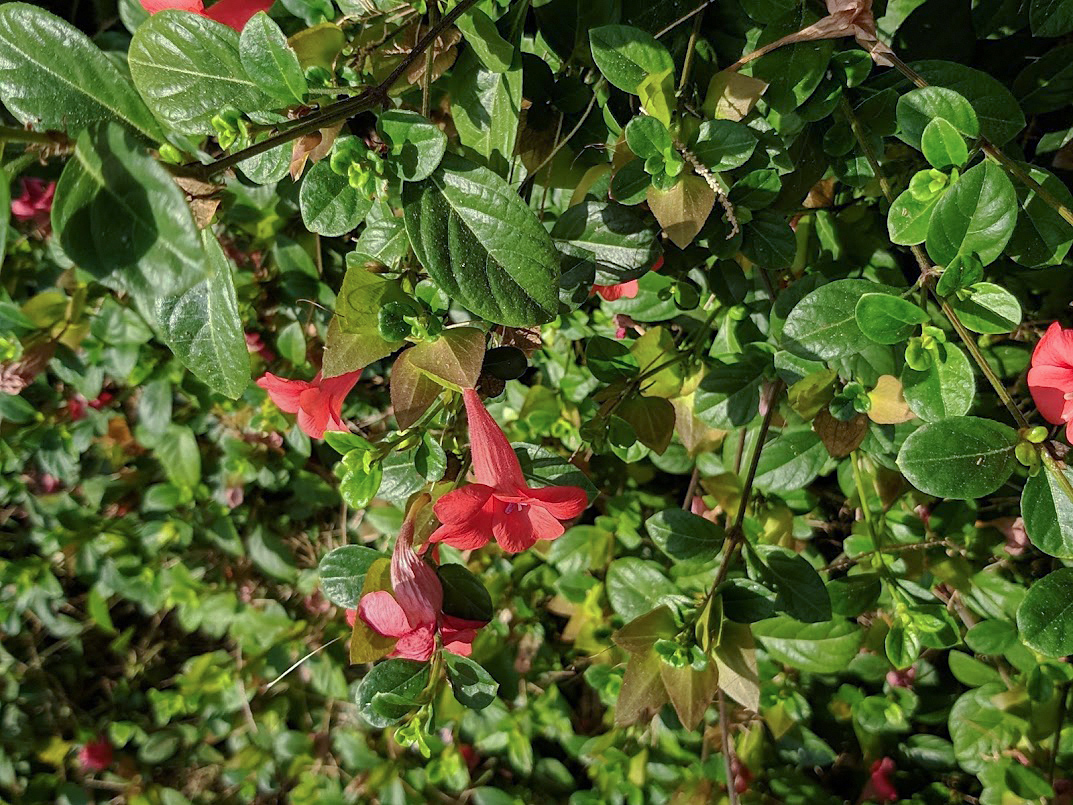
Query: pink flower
[
  {"x": 501, "y": 505},
  {"x": 96, "y": 755},
  {"x": 879, "y": 787},
  {"x": 413, "y": 614},
  {"x": 35, "y": 203},
  {"x": 318, "y": 403},
  {"x": 1051, "y": 377},
  {"x": 256, "y": 345},
  {"x": 232, "y": 13},
  {"x": 902, "y": 679}
]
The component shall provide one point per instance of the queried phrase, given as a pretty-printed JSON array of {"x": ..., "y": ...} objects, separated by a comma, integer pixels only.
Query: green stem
[{"x": 334, "y": 113}]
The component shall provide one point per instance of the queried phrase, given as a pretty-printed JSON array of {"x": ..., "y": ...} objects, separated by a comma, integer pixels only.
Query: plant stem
[{"x": 333, "y": 113}]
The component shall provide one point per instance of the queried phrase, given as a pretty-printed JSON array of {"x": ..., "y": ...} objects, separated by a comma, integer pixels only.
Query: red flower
[
  {"x": 76, "y": 408},
  {"x": 1051, "y": 377},
  {"x": 35, "y": 203},
  {"x": 413, "y": 613},
  {"x": 232, "y": 13},
  {"x": 501, "y": 505},
  {"x": 102, "y": 400},
  {"x": 96, "y": 755},
  {"x": 318, "y": 403},
  {"x": 624, "y": 290},
  {"x": 255, "y": 345}
]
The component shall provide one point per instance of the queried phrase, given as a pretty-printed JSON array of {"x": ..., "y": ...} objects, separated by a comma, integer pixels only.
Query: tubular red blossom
[
  {"x": 35, "y": 203},
  {"x": 624, "y": 290},
  {"x": 879, "y": 787},
  {"x": 412, "y": 613},
  {"x": 1051, "y": 377},
  {"x": 318, "y": 403},
  {"x": 96, "y": 755},
  {"x": 232, "y": 13},
  {"x": 501, "y": 505}
]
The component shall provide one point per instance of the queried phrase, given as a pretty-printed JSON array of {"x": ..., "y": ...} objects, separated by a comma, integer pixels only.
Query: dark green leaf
[
  {"x": 996, "y": 109},
  {"x": 1045, "y": 617},
  {"x": 821, "y": 648},
  {"x": 723, "y": 144},
  {"x": 269, "y": 61},
  {"x": 471, "y": 684},
  {"x": 801, "y": 590},
  {"x": 729, "y": 395},
  {"x": 1042, "y": 237},
  {"x": 1048, "y": 513},
  {"x": 342, "y": 573},
  {"x": 822, "y": 326},
  {"x": 919, "y": 108},
  {"x": 463, "y": 594},
  {"x": 482, "y": 245},
  {"x": 330, "y": 206},
  {"x": 485, "y": 106},
  {"x": 976, "y": 215},
  {"x": 621, "y": 240},
  {"x": 888, "y": 319},
  {"x": 403, "y": 680},
  {"x": 962, "y": 457},
  {"x": 989, "y": 309},
  {"x": 685, "y": 537},
  {"x": 627, "y": 56}
]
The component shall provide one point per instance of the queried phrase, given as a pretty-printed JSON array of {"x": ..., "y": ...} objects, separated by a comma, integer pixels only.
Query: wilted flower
[
  {"x": 412, "y": 612},
  {"x": 501, "y": 505},
  {"x": 318, "y": 403},
  {"x": 1051, "y": 377}
]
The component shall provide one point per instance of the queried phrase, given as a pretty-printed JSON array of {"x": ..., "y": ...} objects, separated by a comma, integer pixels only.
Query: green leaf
[
  {"x": 652, "y": 420},
  {"x": 482, "y": 245},
  {"x": 648, "y": 137},
  {"x": 820, "y": 648},
  {"x": 690, "y": 691},
  {"x": 945, "y": 389},
  {"x": 627, "y": 55},
  {"x": 635, "y": 587},
  {"x": 685, "y": 537},
  {"x": 485, "y": 106},
  {"x": 5, "y": 212},
  {"x": 919, "y": 108},
  {"x": 203, "y": 328},
  {"x": 992, "y": 637},
  {"x": 729, "y": 394},
  {"x": 541, "y": 467},
  {"x": 621, "y": 240},
  {"x": 790, "y": 462},
  {"x": 943, "y": 145},
  {"x": 801, "y": 590},
  {"x": 269, "y": 61},
  {"x": 610, "y": 360},
  {"x": 962, "y": 457},
  {"x": 989, "y": 309},
  {"x": 723, "y": 145},
  {"x": 792, "y": 72},
  {"x": 53, "y": 77},
  {"x": 888, "y": 319},
  {"x": 360, "y": 478},
  {"x": 416, "y": 143},
  {"x": 1045, "y": 617},
  {"x": 330, "y": 205},
  {"x": 402, "y": 680},
  {"x": 121, "y": 217},
  {"x": 1042, "y": 237},
  {"x": 909, "y": 218},
  {"x": 630, "y": 183},
  {"x": 1046, "y": 84},
  {"x": 179, "y": 456},
  {"x": 188, "y": 68},
  {"x": 354, "y": 339},
  {"x": 481, "y": 34},
  {"x": 342, "y": 573},
  {"x": 823, "y": 325},
  {"x": 471, "y": 684},
  {"x": 1048, "y": 513},
  {"x": 769, "y": 241},
  {"x": 383, "y": 239},
  {"x": 463, "y": 594},
  {"x": 854, "y": 595},
  {"x": 1050, "y": 17},
  {"x": 976, "y": 215},
  {"x": 999, "y": 116}
]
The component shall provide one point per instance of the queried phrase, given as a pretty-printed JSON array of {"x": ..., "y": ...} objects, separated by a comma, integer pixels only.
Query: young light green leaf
[
  {"x": 918, "y": 108},
  {"x": 989, "y": 309},
  {"x": 909, "y": 217},
  {"x": 943, "y": 145},
  {"x": 627, "y": 55},
  {"x": 203, "y": 328},
  {"x": 53, "y": 77},
  {"x": 961, "y": 457}
]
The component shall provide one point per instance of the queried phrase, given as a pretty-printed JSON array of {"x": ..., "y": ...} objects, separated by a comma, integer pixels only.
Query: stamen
[{"x": 515, "y": 507}]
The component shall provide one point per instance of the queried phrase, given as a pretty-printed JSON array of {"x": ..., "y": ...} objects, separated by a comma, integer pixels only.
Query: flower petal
[
  {"x": 383, "y": 614},
  {"x": 463, "y": 504},
  {"x": 624, "y": 290},
  {"x": 562, "y": 502},
  {"x": 494, "y": 462},
  {"x": 153, "y": 6},
  {"x": 545, "y": 526},
  {"x": 1055, "y": 348},
  {"x": 283, "y": 392},
  {"x": 513, "y": 529},
  {"x": 236, "y": 13},
  {"x": 417, "y": 644},
  {"x": 462, "y": 536},
  {"x": 1049, "y": 385},
  {"x": 416, "y": 586}
]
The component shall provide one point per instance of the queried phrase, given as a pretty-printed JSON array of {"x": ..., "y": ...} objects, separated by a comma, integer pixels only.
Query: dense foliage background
[{"x": 770, "y": 303}]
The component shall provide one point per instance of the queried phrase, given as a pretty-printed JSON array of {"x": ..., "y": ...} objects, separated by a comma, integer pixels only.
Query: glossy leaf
[
  {"x": 416, "y": 143},
  {"x": 342, "y": 573},
  {"x": 627, "y": 55},
  {"x": 988, "y": 309},
  {"x": 823, "y": 325},
  {"x": 961, "y": 457},
  {"x": 1045, "y": 617},
  {"x": 685, "y": 537},
  {"x": 401, "y": 680},
  {"x": 330, "y": 205},
  {"x": 471, "y": 684},
  {"x": 820, "y": 648},
  {"x": 1048, "y": 513},
  {"x": 977, "y": 215},
  {"x": 945, "y": 389},
  {"x": 269, "y": 61},
  {"x": 888, "y": 319}
]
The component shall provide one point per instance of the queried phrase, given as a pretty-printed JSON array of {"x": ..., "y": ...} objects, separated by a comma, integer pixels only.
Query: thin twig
[{"x": 728, "y": 748}]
